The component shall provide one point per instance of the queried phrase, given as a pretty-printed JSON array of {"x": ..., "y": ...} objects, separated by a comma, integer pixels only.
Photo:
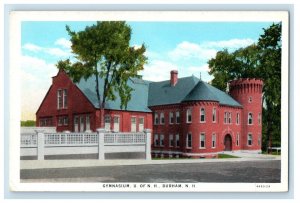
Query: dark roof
[
  {"x": 206, "y": 92},
  {"x": 162, "y": 93},
  {"x": 146, "y": 94},
  {"x": 139, "y": 95}
]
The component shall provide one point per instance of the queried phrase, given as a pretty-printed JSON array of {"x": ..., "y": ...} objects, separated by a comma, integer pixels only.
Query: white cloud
[
  {"x": 158, "y": 70},
  {"x": 32, "y": 47},
  {"x": 187, "y": 50},
  {"x": 57, "y": 52},
  {"x": 230, "y": 44},
  {"x": 64, "y": 43}
]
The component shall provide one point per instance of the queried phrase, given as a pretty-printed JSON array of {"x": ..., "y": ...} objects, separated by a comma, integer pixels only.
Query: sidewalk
[{"x": 36, "y": 164}]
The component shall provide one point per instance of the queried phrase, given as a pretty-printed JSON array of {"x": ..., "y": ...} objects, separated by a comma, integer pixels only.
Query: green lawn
[{"x": 226, "y": 156}]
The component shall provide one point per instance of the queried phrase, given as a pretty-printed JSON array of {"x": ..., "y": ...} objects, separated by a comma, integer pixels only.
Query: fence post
[
  {"x": 148, "y": 143},
  {"x": 40, "y": 144},
  {"x": 101, "y": 132}
]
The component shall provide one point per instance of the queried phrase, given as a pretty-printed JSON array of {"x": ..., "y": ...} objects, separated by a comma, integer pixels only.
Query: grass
[
  {"x": 273, "y": 153},
  {"x": 226, "y": 156}
]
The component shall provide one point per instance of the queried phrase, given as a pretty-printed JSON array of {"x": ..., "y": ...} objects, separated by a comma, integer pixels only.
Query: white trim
[
  {"x": 142, "y": 117},
  {"x": 131, "y": 124},
  {"x": 187, "y": 116},
  {"x": 171, "y": 113},
  {"x": 214, "y": 110},
  {"x": 203, "y": 115},
  {"x": 212, "y": 136},
  {"x": 248, "y": 118},
  {"x": 186, "y": 141},
  {"x": 160, "y": 118},
  {"x": 202, "y": 133},
  {"x": 250, "y": 133},
  {"x": 177, "y": 113},
  {"x": 162, "y": 144},
  {"x": 171, "y": 136}
]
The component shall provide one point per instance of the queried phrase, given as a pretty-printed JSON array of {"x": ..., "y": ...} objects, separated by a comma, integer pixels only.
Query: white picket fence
[{"x": 40, "y": 143}]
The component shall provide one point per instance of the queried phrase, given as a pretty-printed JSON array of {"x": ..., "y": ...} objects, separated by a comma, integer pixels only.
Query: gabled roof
[
  {"x": 206, "y": 92},
  {"x": 139, "y": 95},
  {"x": 162, "y": 93}
]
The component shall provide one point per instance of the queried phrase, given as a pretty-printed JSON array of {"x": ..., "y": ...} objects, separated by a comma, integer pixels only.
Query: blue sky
[{"x": 184, "y": 46}]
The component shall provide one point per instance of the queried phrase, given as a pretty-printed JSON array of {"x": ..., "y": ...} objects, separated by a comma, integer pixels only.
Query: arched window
[
  {"x": 250, "y": 119},
  {"x": 202, "y": 115}
]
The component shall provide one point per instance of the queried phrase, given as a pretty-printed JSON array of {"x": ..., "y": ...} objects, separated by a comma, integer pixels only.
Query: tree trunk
[{"x": 101, "y": 105}]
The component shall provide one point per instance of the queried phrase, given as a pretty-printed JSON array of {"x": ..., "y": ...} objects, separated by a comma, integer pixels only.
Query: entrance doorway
[{"x": 228, "y": 143}]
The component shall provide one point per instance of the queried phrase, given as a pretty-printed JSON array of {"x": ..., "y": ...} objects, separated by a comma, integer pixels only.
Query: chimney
[{"x": 174, "y": 77}]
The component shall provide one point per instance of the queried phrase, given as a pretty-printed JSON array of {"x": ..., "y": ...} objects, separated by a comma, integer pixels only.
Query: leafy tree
[
  {"x": 103, "y": 50},
  {"x": 28, "y": 123},
  {"x": 261, "y": 60}
]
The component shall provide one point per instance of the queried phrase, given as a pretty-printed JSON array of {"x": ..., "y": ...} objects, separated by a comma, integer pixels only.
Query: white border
[{"x": 201, "y": 16}]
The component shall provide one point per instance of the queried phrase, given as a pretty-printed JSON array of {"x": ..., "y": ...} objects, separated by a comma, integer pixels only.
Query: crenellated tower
[{"x": 248, "y": 92}]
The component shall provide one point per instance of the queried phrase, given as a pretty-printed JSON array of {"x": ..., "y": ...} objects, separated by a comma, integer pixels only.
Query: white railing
[{"x": 41, "y": 143}]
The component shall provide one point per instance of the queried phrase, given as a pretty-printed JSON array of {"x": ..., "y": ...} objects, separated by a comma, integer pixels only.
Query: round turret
[{"x": 248, "y": 92}]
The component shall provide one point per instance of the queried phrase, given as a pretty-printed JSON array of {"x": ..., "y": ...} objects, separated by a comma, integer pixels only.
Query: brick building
[{"x": 188, "y": 117}]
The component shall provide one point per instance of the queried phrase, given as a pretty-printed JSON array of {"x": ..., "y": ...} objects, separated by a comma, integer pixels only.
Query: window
[
  {"x": 133, "y": 124},
  {"x": 238, "y": 139},
  {"x": 76, "y": 128},
  {"x": 87, "y": 122},
  {"x": 225, "y": 117},
  {"x": 62, "y": 98},
  {"x": 81, "y": 124},
  {"x": 177, "y": 140},
  {"x": 156, "y": 141},
  {"x": 237, "y": 118},
  {"x": 250, "y": 99},
  {"x": 202, "y": 115},
  {"x": 60, "y": 121},
  {"x": 249, "y": 139},
  {"x": 156, "y": 118},
  {"x": 171, "y": 118},
  {"x": 171, "y": 140},
  {"x": 66, "y": 120},
  {"x": 141, "y": 124},
  {"x": 202, "y": 140},
  {"x": 177, "y": 117},
  {"x": 259, "y": 140},
  {"x": 189, "y": 115},
  {"x": 250, "y": 119},
  {"x": 229, "y": 117},
  {"x": 162, "y": 118},
  {"x": 59, "y": 99},
  {"x": 259, "y": 119},
  {"x": 162, "y": 140},
  {"x": 107, "y": 122},
  {"x": 65, "y": 98},
  {"x": 214, "y": 115},
  {"x": 213, "y": 141},
  {"x": 189, "y": 140},
  {"x": 116, "y": 123}
]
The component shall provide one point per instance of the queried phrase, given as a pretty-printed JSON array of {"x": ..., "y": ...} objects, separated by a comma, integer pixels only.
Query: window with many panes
[
  {"x": 107, "y": 122},
  {"x": 189, "y": 140},
  {"x": 133, "y": 124},
  {"x": 229, "y": 117},
  {"x": 250, "y": 118},
  {"x": 202, "y": 140},
  {"x": 141, "y": 124},
  {"x": 156, "y": 140},
  {"x": 237, "y": 118},
  {"x": 189, "y": 115},
  {"x": 156, "y": 120},
  {"x": 202, "y": 115},
  {"x": 225, "y": 117},
  {"x": 62, "y": 99},
  {"x": 237, "y": 139}
]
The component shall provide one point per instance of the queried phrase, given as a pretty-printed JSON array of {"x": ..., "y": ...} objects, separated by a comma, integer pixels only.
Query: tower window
[
  {"x": 189, "y": 115},
  {"x": 249, "y": 139},
  {"x": 202, "y": 115},
  {"x": 214, "y": 115},
  {"x": 250, "y": 118},
  {"x": 250, "y": 99}
]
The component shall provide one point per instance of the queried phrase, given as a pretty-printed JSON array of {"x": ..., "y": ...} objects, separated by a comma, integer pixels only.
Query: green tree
[
  {"x": 261, "y": 60},
  {"x": 103, "y": 50},
  {"x": 28, "y": 123}
]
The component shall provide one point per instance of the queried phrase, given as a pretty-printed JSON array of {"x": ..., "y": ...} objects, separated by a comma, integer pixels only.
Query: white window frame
[
  {"x": 177, "y": 117},
  {"x": 162, "y": 140},
  {"x": 214, "y": 115},
  {"x": 249, "y": 135},
  {"x": 177, "y": 141},
  {"x": 171, "y": 117},
  {"x": 60, "y": 99},
  {"x": 237, "y": 118},
  {"x": 87, "y": 122},
  {"x": 189, "y": 135},
  {"x": 229, "y": 118},
  {"x": 81, "y": 123},
  {"x": 225, "y": 117},
  {"x": 249, "y": 113},
  {"x": 118, "y": 124},
  {"x": 133, "y": 124},
  {"x": 141, "y": 125},
  {"x": 76, "y": 123},
  {"x": 188, "y": 114},
  {"x": 171, "y": 140},
  {"x": 65, "y": 98},
  {"x": 202, "y": 114},
  {"x": 156, "y": 140},
  {"x": 107, "y": 125},
  {"x": 162, "y": 118},
  {"x": 66, "y": 120},
  {"x": 156, "y": 118},
  {"x": 202, "y": 140},
  {"x": 237, "y": 139},
  {"x": 213, "y": 140}
]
